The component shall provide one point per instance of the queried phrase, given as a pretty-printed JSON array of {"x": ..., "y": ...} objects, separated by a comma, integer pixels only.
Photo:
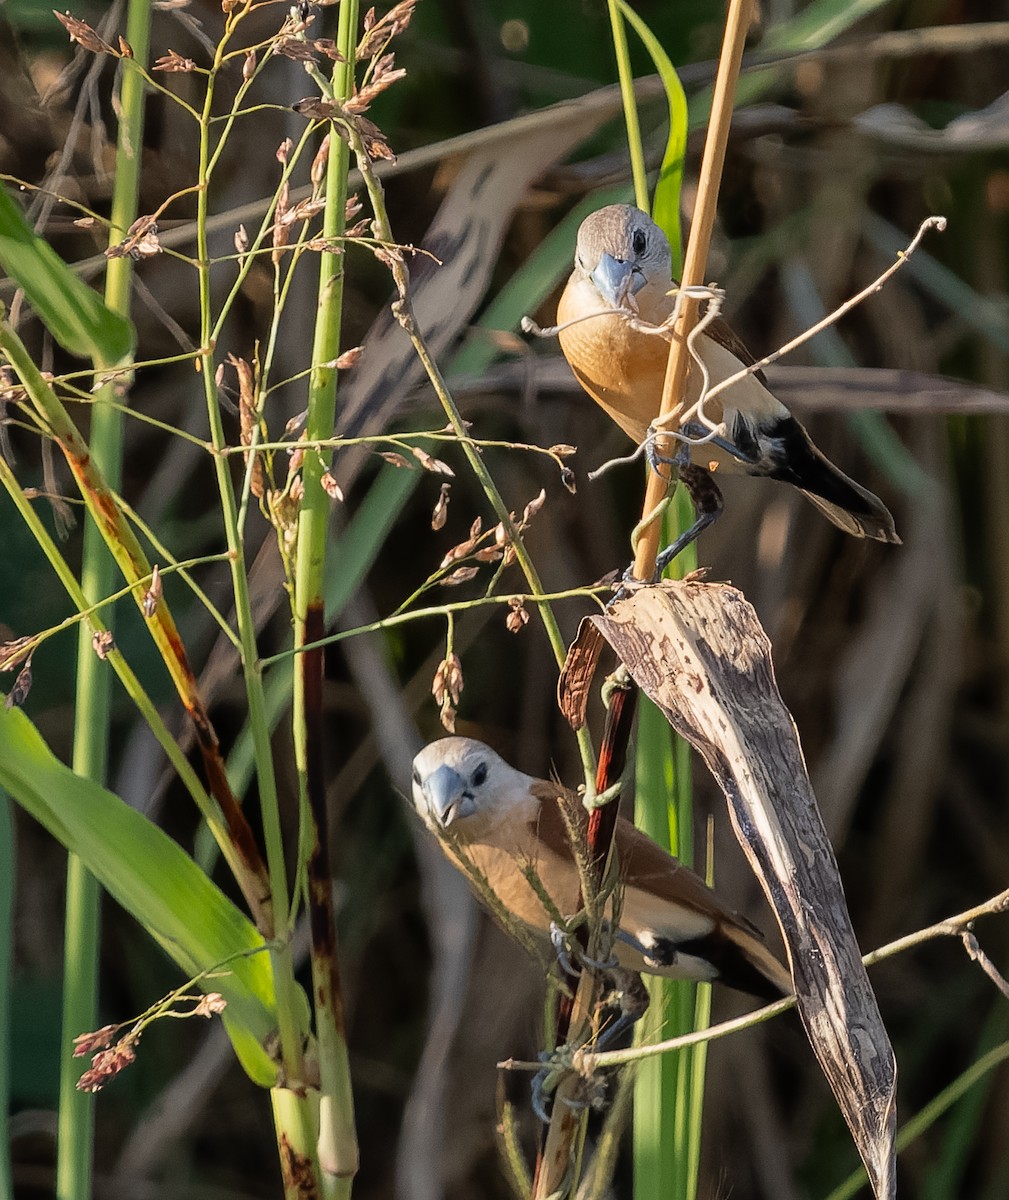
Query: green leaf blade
[
  {"x": 74, "y": 313},
  {"x": 154, "y": 880}
]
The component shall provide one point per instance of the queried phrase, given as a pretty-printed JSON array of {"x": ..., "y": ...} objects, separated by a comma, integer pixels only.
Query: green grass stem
[{"x": 93, "y": 700}]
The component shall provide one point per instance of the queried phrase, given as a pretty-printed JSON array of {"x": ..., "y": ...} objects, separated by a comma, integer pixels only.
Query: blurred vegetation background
[{"x": 895, "y": 662}]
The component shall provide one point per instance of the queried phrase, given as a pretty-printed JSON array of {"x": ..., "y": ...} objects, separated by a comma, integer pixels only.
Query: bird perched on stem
[
  {"x": 511, "y": 832},
  {"x": 623, "y": 272}
]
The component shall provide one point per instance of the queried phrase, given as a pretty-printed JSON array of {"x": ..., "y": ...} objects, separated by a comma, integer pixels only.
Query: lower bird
[
  {"x": 623, "y": 272},
  {"x": 496, "y": 820}
]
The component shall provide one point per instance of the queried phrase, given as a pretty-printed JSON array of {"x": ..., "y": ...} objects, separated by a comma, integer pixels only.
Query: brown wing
[
  {"x": 663, "y": 899},
  {"x": 645, "y": 865}
]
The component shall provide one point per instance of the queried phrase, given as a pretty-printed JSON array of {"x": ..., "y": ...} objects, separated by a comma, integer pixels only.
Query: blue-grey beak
[
  {"x": 446, "y": 794},
  {"x": 615, "y": 279}
]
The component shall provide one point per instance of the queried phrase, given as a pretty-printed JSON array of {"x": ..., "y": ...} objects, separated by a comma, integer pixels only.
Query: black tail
[
  {"x": 742, "y": 961},
  {"x": 847, "y": 504}
]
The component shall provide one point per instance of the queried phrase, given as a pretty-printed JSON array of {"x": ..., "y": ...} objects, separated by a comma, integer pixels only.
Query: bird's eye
[
  {"x": 416, "y": 777},
  {"x": 479, "y": 775},
  {"x": 638, "y": 241}
]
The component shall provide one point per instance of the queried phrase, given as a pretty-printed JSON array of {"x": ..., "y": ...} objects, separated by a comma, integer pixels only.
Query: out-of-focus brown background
[{"x": 894, "y": 661}]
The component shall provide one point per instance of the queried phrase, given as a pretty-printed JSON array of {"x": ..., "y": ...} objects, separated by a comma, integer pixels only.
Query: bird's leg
[
  {"x": 656, "y": 459},
  {"x": 697, "y": 431},
  {"x": 631, "y": 995},
  {"x": 562, "y": 949},
  {"x": 570, "y": 956},
  {"x": 707, "y": 502}
]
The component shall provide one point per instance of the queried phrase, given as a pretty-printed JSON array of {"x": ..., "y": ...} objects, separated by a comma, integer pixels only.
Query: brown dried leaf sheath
[
  {"x": 700, "y": 653},
  {"x": 575, "y": 683}
]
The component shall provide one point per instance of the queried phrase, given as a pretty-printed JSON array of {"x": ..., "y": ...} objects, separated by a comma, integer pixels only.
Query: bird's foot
[
  {"x": 570, "y": 955},
  {"x": 557, "y": 1066},
  {"x": 671, "y": 462}
]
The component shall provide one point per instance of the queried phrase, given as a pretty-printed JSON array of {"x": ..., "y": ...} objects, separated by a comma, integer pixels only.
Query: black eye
[
  {"x": 479, "y": 775},
  {"x": 638, "y": 241},
  {"x": 416, "y": 777}
]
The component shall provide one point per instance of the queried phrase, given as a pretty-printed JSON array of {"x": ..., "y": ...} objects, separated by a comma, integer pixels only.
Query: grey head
[{"x": 620, "y": 248}]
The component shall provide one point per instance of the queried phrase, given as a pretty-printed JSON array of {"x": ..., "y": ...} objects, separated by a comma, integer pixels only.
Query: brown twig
[{"x": 736, "y": 25}]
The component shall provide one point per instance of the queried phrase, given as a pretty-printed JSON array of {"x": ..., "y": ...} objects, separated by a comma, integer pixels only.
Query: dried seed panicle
[
  {"x": 82, "y": 33},
  {"x": 153, "y": 594},
  {"x": 518, "y": 615},
  {"x": 440, "y": 514},
  {"x": 447, "y": 688},
  {"x": 103, "y": 643},
  {"x": 173, "y": 63},
  {"x": 22, "y": 686},
  {"x": 378, "y": 33}
]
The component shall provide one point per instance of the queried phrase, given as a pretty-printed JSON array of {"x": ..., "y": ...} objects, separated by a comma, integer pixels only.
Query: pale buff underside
[{"x": 623, "y": 369}]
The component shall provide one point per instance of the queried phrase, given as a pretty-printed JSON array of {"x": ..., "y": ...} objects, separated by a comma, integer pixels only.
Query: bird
[
  {"x": 496, "y": 822},
  {"x": 623, "y": 270}
]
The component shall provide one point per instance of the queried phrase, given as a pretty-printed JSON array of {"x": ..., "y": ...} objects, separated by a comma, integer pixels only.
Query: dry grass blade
[{"x": 700, "y": 653}]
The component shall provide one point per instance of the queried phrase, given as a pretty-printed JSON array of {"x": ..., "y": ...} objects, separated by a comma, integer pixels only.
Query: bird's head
[
  {"x": 460, "y": 783},
  {"x": 621, "y": 249}
]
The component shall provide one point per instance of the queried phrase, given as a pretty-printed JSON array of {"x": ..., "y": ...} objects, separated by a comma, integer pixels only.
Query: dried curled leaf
[{"x": 395, "y": 460}]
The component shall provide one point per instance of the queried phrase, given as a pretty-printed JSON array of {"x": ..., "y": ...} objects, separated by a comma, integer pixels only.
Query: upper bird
[
  {"x": 623, "y": 264},
  {"x": 500, "y": 820}
]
